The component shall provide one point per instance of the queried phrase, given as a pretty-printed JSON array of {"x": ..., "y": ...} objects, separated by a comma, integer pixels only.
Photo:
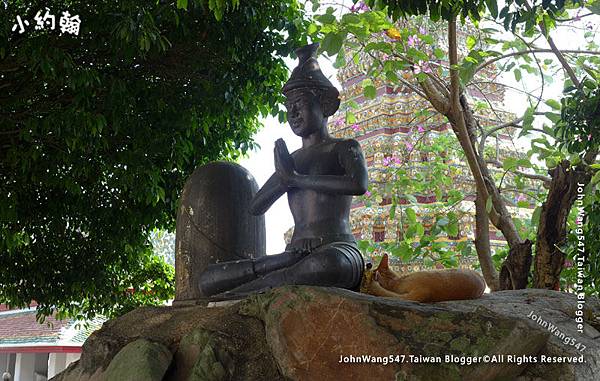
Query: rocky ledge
[{"x": 314, "y": 333}]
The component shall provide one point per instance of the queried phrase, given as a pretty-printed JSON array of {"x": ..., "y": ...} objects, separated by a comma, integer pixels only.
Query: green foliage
[
  {"x": 513, "y": 13},
  {"x": 408, "y": 178},
  {"x": 579, "y": 124},
  {"x": 99, "y": 131},
  {"x": 582, "y": 247},
  {"x": 402, "y": 55}
]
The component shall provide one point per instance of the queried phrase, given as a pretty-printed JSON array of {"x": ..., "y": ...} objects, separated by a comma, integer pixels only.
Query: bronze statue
[{"x": 320, "y": 179}]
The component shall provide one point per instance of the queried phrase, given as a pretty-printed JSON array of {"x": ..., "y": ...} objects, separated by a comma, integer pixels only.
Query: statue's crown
[{"x": 308, "y": 75}]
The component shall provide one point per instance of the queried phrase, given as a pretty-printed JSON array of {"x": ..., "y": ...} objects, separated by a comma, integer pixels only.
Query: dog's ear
[{"x": 384, "y": 264}]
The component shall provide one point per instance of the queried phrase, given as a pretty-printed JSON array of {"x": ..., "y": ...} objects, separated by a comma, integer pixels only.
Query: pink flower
[
  {"x": 360, "y": 6},
  {"x": 355, "y": 127},
  {"x": 409, "y": 145},
  {"x": 590, "y": 137},
  {"x": 367, "y": 193},
  {"x": 387, "y": 161},
  {"x": 568, "y": 264},
  {"x": 413, "y": 40},
  {"x": 420, "y": 128},
  {"x": 422, "y": 30},
  {"x": 422, "y": 67},
  {"x": 397, "y": 160},
  {"x": 338, "y": 122}
]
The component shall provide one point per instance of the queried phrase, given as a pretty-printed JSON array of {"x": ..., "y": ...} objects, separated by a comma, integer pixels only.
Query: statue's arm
[
  {"x": 353, "y": 182},
  {"x": 267, "y": 195}
]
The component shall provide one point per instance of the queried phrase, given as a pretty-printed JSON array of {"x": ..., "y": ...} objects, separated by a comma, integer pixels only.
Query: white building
[{"x": 30, "y": 351}]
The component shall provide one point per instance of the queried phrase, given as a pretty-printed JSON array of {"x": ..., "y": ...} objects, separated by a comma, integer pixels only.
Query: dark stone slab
[{"x": 213, "y": 224}]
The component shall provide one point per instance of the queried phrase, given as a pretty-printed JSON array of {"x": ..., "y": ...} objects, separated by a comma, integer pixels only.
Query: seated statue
[{"x": 320, "y": 179}]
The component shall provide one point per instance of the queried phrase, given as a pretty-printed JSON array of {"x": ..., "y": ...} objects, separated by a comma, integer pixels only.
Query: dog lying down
[{"x": 422, "y": 286}]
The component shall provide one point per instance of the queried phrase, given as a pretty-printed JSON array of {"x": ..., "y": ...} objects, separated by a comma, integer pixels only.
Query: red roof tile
[{"x": 22, "y": 325}]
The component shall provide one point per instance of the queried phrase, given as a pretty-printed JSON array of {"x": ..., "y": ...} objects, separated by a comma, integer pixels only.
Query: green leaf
[
  {"x": 411, "y": 215},
  {"x": 332, "y": 43},
  {"x": 528, "y": 118},
  {"x": 419, "y": 229},
  {"x": 553, "y": 103},
  {"x": 350, "y": 18},
  {"x": 488, "y": 204},
  {"x": 471, "y": 41},
  {"x": 551, "y": 162},
  {"x": 363, "y": 245},
  {"x": 182, "y": 4},
  {"x": 402, "y": 251},
  {"x": 352, "y": 104},
  {"x": 340, "y": 60},
  {"x": 492, "y": 6},
  {"x": 439, "y": 53},
  {"x": 370, "y": 92},
  {"x": 555, "y": 118},
  {"x": 315, "y": 6},
  {"x": 595, "y": 179},
  {"x": 535, "y": 217},
  {"x": 326, "y": 18},
  {"x": 467, "y": 71},
  {"x": 452, "y": 229},
  {"x": 350, "y": 117},
  {"x": 517, "y": 74},
  {"x": 509, "y": 163},
  {"x": 525, "y": 163}
]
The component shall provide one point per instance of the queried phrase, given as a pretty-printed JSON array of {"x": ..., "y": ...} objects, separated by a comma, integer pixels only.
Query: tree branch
[
  {"x": 482, "y": 244},
  {"x": 525, "y": 52},
  {"x": 556, "y": 51},
  {"x": 533, "y": 176}
]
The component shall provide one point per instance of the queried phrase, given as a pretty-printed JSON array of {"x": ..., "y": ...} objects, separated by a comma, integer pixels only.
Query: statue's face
[{"x": 304, "y": 113}]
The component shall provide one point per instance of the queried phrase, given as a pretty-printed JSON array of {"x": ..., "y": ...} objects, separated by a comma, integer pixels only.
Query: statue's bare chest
[{"x": 323, "y": 160}]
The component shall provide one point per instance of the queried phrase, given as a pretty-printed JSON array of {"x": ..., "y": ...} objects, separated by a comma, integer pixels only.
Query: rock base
[{"x": 314, "y": 333}]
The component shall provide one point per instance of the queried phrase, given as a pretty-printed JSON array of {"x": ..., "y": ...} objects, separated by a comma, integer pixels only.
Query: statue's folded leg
[
  {"x": 338, "y": 264},
  {"x": 224, "y": 276}
]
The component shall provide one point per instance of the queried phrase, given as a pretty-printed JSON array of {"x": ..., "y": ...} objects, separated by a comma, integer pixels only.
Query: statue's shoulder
[{"x": 343, "y": 145}]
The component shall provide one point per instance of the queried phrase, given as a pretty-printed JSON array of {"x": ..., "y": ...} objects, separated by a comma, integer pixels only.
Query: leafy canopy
[
  {"x": 513, "y": 12},
  {"x": 98, "y": 132}
]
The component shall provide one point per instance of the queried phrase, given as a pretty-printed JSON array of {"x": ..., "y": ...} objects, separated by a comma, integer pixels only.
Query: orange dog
[{"x": 423, "y": 286}]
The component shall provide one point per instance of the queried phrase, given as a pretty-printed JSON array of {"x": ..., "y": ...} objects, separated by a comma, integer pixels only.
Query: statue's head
[{"x": 311, "y": 98}]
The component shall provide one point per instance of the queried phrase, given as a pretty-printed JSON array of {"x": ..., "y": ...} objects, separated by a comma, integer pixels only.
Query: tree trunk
[
  {"x": 552, "y": 228},
  {"x": 518, "y": 262},
  {"x": 455, "y": 107},
  {"x": 515, "y": 269},
  {"x": 482, "y": 244}
]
